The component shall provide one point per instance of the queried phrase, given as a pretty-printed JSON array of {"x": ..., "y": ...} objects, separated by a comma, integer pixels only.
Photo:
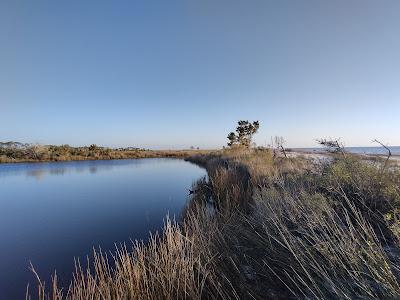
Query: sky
[{"x": 174, "y": 74}]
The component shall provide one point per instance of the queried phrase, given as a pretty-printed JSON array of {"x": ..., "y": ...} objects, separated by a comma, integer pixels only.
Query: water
[
  {"x": 361, "y": 150},
  {"x": 53, "y": 212}
]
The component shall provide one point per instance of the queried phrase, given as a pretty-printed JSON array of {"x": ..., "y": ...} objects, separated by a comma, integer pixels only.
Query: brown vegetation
[{"x": 37, "y": 153}]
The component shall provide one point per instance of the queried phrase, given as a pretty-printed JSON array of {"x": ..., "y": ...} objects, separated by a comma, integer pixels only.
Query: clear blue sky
[{"x": 170, "y": 74}]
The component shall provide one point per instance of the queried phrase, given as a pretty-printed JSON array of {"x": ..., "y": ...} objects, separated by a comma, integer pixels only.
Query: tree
[
  {"x": 244, "y": 133},
  {"x": 232, "y": 139}
]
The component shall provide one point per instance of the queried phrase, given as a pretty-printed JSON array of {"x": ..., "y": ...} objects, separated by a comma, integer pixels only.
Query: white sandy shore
[
  {"x": 314, "y": 156},
  {"x": 323, "y": 156}
]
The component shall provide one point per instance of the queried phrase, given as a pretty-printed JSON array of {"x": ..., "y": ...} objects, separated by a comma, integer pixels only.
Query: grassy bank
[
  {"x": 40, "y": 153},
  {"x": 264, "y": 227}
]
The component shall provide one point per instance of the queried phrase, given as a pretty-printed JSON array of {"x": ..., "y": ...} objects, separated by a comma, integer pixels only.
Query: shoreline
[
  {"x": 322, "y": 155},
  {"x": 117, "y": 155}
]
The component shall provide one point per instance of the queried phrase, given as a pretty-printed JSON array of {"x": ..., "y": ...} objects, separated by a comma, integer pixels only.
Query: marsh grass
[
  {"x": 168, "y": 267},
  {"x": 316, "y": 252},
  {"x": 264, "y": 227}
]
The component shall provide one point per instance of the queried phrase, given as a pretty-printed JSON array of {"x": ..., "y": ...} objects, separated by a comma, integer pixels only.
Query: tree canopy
[{"x": 244, "y": 133}]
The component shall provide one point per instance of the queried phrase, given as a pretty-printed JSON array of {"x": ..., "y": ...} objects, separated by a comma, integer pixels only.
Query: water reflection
[
  {"x": 39, "y": 170},
  {"x": 70, "y": 207},
  {"x": 38, "y": 174}
]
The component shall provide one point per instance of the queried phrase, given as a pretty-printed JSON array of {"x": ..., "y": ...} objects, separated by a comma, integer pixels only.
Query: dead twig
[{"x": 388, "y": 150}]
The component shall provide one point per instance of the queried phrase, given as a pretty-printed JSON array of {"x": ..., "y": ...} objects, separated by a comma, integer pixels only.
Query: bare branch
[{"x": 388, "y": 150}]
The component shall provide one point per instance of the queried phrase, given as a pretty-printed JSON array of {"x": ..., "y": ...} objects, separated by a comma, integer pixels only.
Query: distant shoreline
[
  {"x": 323, "y": 154},
  {"x": 27, "y": 153},
  {"x": 355, "y": 150},
  {"x": 34, "y": 154}
]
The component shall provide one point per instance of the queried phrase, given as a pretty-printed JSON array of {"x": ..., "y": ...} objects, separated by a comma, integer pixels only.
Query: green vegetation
[
  {"x": 263, "y": 226},
  {"x": 15, "y": 152},
  {"x": 244, "y": 134}
]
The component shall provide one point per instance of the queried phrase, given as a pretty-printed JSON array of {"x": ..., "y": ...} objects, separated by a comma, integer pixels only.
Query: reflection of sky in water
[{"x": 51, "y": 212}]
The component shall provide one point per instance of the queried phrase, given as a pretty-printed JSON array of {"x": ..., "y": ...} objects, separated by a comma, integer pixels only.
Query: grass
[
  {"x": 37, "y": 153},
  {"x": 264, "y": 227},
  {"x": 169, "y": 267}
]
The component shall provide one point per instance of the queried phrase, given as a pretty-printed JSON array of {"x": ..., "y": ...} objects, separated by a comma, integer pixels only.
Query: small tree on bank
[{"x": 244, "y": 134}]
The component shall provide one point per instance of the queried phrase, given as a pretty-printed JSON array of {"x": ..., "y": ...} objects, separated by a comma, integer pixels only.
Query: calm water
[{"x": 51, "y": 212}]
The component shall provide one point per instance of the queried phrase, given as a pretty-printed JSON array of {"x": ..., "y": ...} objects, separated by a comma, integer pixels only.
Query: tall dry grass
[
  {"x": 170, "y": 266},
  {"x": 327, "y": 230},
  {"x": 317, "y": 253}
]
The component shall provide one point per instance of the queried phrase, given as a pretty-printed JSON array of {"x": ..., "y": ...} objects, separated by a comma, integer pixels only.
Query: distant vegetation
[{"x": 19, "y": 152}]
